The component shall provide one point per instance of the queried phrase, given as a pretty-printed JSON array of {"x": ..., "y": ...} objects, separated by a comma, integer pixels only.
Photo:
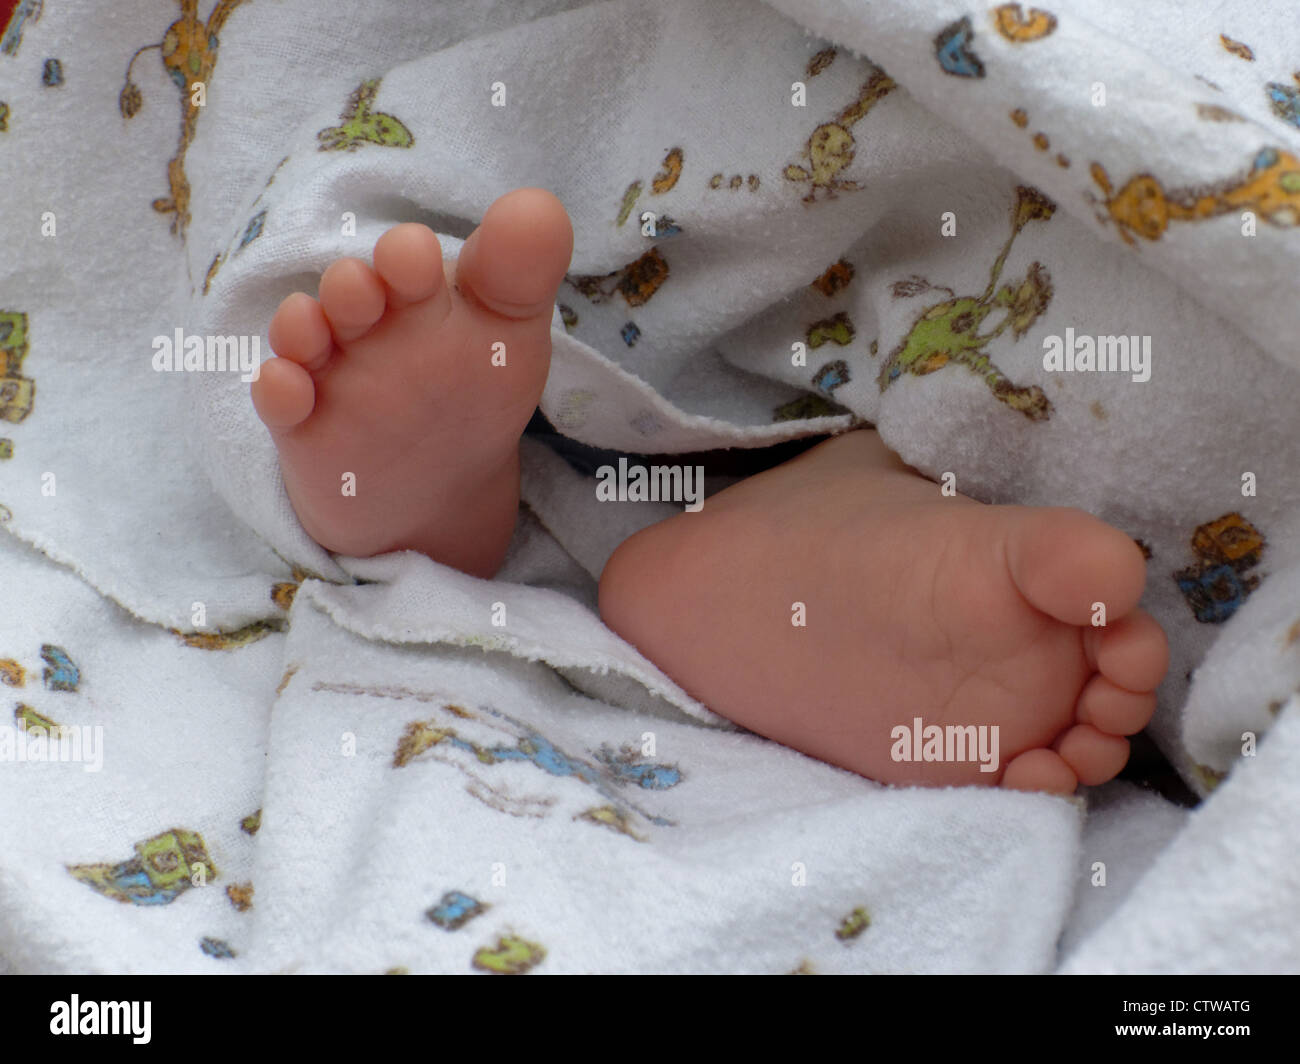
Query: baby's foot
[
  {"x": 399, "y": 397},
  {"x": 915, "y": 605}
]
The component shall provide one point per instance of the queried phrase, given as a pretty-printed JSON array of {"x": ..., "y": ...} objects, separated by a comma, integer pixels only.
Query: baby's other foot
[
  {"x": 975, "y": 619},
  {"x": 399, "y": 395}
]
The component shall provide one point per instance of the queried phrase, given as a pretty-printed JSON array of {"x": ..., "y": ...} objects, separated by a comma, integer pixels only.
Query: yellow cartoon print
[
  {"x": 189, "y": 52},
  {"x": 637, "y": 282},
  {"x": 240, "y": 637},
  {"x": 1237, "y": 48},
  {"x": 1220, "y": 580},
  {"x": 670, "y": 171},
  {"x": 834, "y": 279},
  {"x": 1144, "y": 208},
  {"x": 284, "y": 591},
  {"x": 12, "y": 674},
  {"x": 831, "y": 147},
  {"x": 240, "y": 896},
  {"x": 1019, "y": 26},
  {"x": 734, "y": 182},
  {"x": 59, "y": 674}
]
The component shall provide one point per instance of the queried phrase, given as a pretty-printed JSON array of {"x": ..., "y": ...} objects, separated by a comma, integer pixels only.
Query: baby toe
[
  {"x": 1040, "y": 770},
  {"x": 352, "y": 297},
  {"x": 409, "y": 260},
  {"x": 1132, "y": 653},
  {"x": 300, "y": 332},
  {"x": 1093, "y": 756},
  {"x": 283, "y": 394},
  {"x": 1114, "y": 710}
]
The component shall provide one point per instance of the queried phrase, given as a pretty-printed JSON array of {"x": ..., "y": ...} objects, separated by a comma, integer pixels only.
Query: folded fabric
[{"x": 1038, "y": 250}]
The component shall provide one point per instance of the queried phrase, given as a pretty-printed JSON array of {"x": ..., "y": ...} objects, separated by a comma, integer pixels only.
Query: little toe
[
  {"x": 1065, "y": 561},
  {"x": 300, "y": 333},
  {"x": 1040, "y": 770},
  {"x": 1093, "y": 756},
  {"x": 352, "y": 297},
  {"x": 1111, "y": 709},
  {"x": 409, "y": 260},
  {"x": 283, "y": 393},
  {"x": 514, "y": 261},
  {"x": 1133, "y": 653}
]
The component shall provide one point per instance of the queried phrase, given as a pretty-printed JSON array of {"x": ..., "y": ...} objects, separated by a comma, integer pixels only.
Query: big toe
[
  {"x": 1067, "y": 563},
  {"x": 514, "y": 261}
]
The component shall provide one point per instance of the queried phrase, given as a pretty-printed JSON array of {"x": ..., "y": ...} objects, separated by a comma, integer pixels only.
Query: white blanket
[{"x": 439, "y": 792}]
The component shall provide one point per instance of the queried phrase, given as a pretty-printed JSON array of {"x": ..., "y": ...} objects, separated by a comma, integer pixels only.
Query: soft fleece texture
[{"x": 393, "y": 736}]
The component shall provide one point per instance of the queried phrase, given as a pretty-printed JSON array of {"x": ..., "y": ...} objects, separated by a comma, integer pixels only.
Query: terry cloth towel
[{"x": 789, "y": 218}]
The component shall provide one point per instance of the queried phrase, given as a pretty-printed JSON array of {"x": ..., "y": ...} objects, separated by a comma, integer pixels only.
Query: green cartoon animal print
[
  {"x": 949, "y": 332},
  {"x": 511, "y": 955},
  {"x": 164, "y": 867},
  {"x": 59, "y": 674},
  {"x": 361, "y": 125},
  {"x": 28, "y": 720},
  {"x": 831, "y": 375},
  {"x": 853, "y": 925},
  {"x": 16, "y": 391},
  {"x": 831, "y": 147}
]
